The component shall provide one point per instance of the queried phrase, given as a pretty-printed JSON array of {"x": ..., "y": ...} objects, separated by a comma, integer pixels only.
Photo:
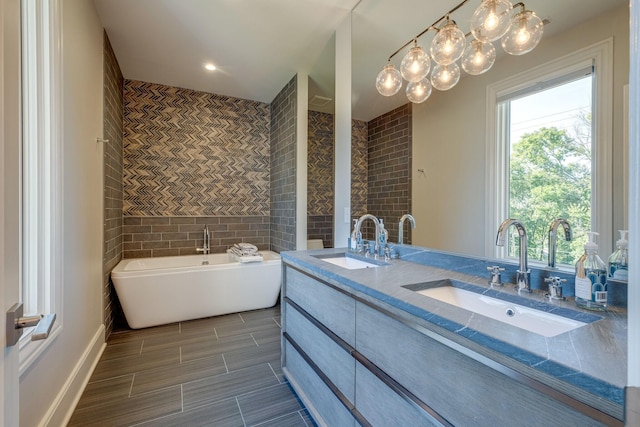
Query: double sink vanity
[{"x": 425, "y": 340}]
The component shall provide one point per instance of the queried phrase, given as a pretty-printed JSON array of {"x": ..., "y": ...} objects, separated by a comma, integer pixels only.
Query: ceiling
[{"x": 259, "y": 45}]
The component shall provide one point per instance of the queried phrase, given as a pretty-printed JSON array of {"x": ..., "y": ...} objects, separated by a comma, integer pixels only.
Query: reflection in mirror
[
  {"x": 440, "y": 176},
  {"x": 320, "y": 149},
  {"x": 320, "y": 142}
]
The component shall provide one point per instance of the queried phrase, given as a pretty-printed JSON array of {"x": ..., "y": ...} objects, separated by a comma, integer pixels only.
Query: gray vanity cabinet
[{"x": 353, "y": 361}]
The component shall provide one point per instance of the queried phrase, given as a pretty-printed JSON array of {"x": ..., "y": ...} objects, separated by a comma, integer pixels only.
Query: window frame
[
  {"x": 600, "y": 55},
  {"x": 41, "y": 170}
]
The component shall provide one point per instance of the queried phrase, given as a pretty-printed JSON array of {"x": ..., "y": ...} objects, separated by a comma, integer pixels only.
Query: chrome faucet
[
  {"x": 553, "y": 238},
  {"x": 358, "y": 224},
  {"x": 412, "y": 221},
  {"x": 523, "y": 277},
  {"x": 206, "y": 237}
]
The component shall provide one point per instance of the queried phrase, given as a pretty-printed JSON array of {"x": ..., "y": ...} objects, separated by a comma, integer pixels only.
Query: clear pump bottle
[
  {"x": 591, "y": 278},
  {"x": 619, "y": 260}
]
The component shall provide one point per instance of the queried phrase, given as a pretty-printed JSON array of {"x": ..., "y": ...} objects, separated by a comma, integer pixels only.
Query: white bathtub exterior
[{"x": 157, "y": 291}]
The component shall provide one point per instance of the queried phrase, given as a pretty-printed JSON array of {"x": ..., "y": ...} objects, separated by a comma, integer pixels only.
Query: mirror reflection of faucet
[
  {"x": 380, "y": 237},
  {"x": 365, "y": 246},
  {"x": 412, "y": 221}
]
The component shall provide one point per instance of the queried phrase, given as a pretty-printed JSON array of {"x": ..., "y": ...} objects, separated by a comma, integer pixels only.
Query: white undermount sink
[
  {"x": 530, "y": 319},
  {"x": 348, "y": 262}
]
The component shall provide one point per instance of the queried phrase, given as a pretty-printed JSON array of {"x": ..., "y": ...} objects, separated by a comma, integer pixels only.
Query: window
[
  {"x": 549, "y": 128},
  {"x": 41, "y": 179},
  {"x": 548, "y": 153}
]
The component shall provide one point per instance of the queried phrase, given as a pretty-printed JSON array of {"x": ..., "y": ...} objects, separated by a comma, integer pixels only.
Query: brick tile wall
[
  {"x": 389, "y": 174},
  {"x": 172, "y": 236},
  {"x": 112, "y": 122},
  {"x": 283, "y": 169},
  {"x": 321, "y": 227}
]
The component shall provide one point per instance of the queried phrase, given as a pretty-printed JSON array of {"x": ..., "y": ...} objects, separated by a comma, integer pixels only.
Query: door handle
[{"x": 16, "y": 323}]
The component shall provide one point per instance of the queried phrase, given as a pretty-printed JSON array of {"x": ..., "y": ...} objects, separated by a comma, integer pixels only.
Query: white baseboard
[{"x": 62, "y": 408}]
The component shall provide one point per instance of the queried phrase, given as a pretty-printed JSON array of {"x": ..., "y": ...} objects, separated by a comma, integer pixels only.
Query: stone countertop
[{"x": 587, "y": 363}]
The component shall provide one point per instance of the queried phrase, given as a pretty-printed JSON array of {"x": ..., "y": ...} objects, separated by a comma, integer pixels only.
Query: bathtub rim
[{"x": 120, "y": 272}]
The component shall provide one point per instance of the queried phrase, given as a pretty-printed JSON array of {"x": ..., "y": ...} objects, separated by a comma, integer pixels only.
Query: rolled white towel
[
  {"x": 246, "y": 247},
  {"x": 244, "y": 257}
]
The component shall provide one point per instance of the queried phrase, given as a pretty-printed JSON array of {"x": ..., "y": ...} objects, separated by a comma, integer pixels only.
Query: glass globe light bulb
[
  {"x": 444, "y": 77},
  {"x": 415, "y": 65},
  {"x": 389, "y": 81},
  {"x": 478, "y": 57},
  {"x": 448, "y": 45},
  {"x": 524, "y": 34},
  {"x": 418, "y": 92},
  {"x": 491, "y": 20}
]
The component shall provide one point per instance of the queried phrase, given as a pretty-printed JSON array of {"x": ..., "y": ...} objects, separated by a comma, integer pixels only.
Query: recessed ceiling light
[{"x": 210, "y": 67}]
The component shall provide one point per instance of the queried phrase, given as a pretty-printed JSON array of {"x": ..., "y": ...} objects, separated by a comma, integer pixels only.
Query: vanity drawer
[
  {"x": 322, "y": 403},
  {"x": 457, "y": 387},
  {"x": 332, "y": 359},
  {"x": 382, "y": 406},
  {"x": 332, "y": 308}
]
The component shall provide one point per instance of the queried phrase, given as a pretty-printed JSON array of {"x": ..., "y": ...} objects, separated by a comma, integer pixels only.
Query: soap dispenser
[
  {"x": 591, "y": 276},
  {"x": 355, "y": 240},
  {"x": 618, "y": 261},
  {"x": 382, "y": 237}
]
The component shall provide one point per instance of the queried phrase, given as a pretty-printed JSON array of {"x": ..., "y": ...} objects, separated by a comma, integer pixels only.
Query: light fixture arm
[
  {"x": 520, "y": 4},
  {"x": 431, "y": 27}
]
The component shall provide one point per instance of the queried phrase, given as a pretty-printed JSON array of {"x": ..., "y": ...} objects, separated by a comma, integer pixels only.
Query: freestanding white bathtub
[{"x": 156, "y": 291}]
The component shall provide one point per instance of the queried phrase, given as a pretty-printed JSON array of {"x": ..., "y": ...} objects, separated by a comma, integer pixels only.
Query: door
[{"x": 9, "y": 200}]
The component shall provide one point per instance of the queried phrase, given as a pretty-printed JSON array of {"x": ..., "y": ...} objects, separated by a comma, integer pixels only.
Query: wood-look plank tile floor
[{"x": 219, "y": 371}]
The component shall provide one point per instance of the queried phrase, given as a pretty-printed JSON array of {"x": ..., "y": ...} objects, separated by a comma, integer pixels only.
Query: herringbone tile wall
[
  {"x": 190, "y": 153},
  {"x": 359, "y": 167},
  {"x": 320, "y": 176}
]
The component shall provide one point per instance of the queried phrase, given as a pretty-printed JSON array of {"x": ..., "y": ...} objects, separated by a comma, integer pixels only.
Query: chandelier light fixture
[{"x": 493, "y": 20}]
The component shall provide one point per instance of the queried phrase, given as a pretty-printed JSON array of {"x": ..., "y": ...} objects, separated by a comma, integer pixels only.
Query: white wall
[
  {"x": 449, "y": 141},
  {"x": 342, "y": 136},
  {"x": 48, "y": 388}
]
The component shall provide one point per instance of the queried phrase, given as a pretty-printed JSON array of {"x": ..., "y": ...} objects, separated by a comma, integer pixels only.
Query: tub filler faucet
[
  {"x": 206, "y": 237},
  {"x": 523, "y": 278}
]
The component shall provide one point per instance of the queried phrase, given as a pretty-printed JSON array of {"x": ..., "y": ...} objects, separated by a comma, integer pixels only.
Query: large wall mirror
[
  {"x": 447, "y": 183},
  {"x": 320, "y": 149}
]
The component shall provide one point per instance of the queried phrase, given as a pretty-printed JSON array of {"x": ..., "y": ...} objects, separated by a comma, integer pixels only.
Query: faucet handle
[
  {"x": 555, "y": 287},
  {"x": 494, "y": 275},
  {"x": 555, "y": 280}
]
